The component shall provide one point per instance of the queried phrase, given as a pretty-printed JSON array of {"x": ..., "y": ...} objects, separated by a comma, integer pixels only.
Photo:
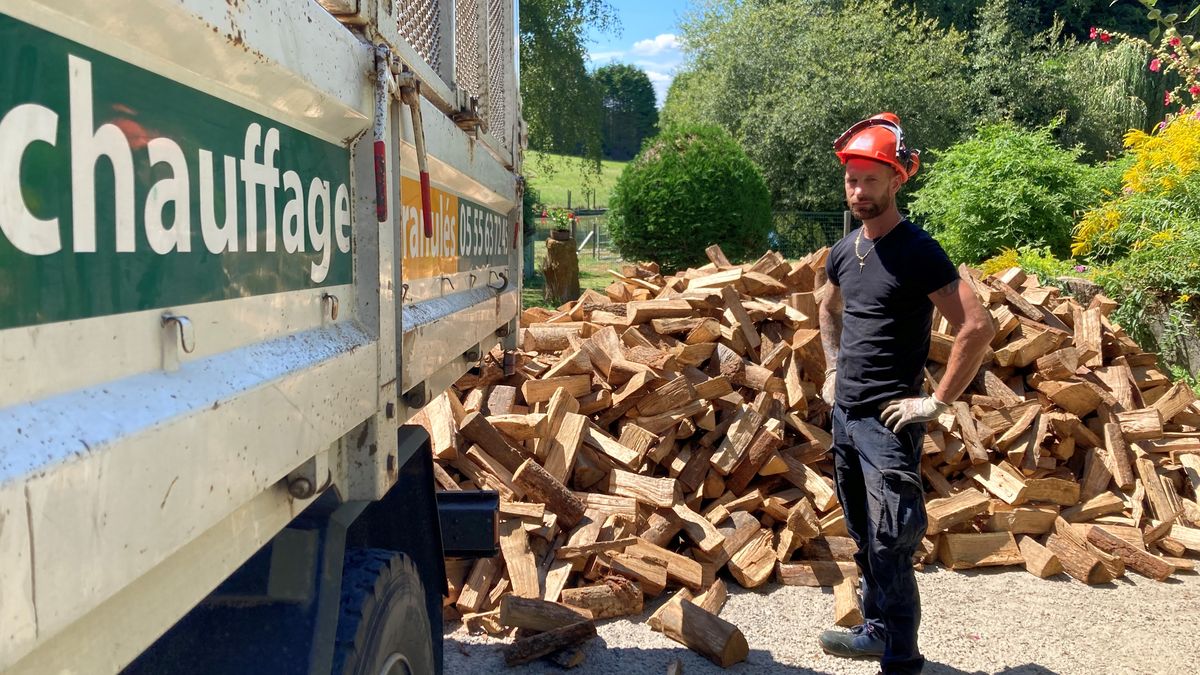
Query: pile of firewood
[{"x": 670, "y": 429}]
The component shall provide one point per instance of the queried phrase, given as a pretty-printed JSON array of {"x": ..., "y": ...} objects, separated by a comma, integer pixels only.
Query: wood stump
[{"x": 561, "y": 270}]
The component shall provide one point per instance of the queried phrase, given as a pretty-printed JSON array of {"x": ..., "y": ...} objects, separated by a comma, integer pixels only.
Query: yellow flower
[{"x": 1162, "y": 162}]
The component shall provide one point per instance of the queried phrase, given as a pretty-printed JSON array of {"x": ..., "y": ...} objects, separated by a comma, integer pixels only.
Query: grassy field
[
  {"x": 553, "y": 175},
  {"x": 592, "y": 274}
]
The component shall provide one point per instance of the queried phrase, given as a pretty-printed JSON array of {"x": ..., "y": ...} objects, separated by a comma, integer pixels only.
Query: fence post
[
  {"x": 568, "y": 200},
  {"x": 847, "y": 223},
  {"x": 595, "y": 238}
]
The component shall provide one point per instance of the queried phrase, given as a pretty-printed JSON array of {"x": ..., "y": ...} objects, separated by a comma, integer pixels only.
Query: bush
[
  {"x": 1161, "y": 192},
  {"x": 531, "y": 208},
  {"x": 1005, "y": 187},
  {"x": 689, "y": 187},
  {"x": 1038, "y": 261},
  {"x": 1144, "y": 239}
]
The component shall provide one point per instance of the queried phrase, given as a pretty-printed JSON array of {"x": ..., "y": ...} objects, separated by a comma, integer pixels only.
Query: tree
[
  {"x": 1078, "y": 16},
  {"x": 786, "y": 77},
  {"x": 629, "y": 113},
  {"x": 689, "y": 187},
  {"x": 560, "y": 101},
  {"x": 1009, "y": 69},
  {"x": 1110, "y": 91}
]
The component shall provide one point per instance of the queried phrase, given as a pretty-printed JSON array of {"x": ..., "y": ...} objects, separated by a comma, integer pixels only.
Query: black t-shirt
[{"x": 888, "y": 314}]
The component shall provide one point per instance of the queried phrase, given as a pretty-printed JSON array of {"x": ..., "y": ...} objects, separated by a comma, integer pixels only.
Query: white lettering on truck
[{"x": 324, "y": 217}]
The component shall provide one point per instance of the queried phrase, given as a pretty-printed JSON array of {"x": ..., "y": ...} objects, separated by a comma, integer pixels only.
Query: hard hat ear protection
[{"x": 906, "y": 157}]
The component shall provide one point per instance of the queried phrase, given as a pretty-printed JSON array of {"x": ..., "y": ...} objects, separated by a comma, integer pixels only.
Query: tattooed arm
[
  {"x": 974, "y": 331},
  {"x": 831, "y": 324}
]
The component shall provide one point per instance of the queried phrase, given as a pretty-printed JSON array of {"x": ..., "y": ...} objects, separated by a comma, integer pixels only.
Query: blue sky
[{"x": 649, "y": 39}]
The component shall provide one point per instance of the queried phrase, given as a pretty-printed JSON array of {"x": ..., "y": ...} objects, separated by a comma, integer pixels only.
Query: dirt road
[{"x": 1001, "y": 621}]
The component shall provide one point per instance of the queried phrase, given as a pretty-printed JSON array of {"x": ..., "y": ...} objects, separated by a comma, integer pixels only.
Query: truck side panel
[
  {"x": 197, "y": 302},
  {"x": 120, "y": 448}
]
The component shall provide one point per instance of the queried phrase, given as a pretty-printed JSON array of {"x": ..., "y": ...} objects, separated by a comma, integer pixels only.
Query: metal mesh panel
[
  {"x": 466, "y": 46},
  {"x": 497, "y": 70},
  {"x": 419, "y": 22},
  {"x": 798, "y": 233}
]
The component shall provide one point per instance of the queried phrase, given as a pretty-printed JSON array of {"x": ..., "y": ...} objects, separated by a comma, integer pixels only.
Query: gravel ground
[{"x": 989, "y": 621}]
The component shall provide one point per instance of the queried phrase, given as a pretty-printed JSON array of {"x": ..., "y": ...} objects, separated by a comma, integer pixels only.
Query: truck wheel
[{"x": 383, "y": 628}]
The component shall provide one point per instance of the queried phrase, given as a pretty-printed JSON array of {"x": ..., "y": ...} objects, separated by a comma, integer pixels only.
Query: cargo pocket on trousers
[{"x": 902, "y": 519}]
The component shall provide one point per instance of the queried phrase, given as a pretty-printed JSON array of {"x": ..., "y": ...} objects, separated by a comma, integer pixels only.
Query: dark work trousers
[{"x": 879, "y": 486}]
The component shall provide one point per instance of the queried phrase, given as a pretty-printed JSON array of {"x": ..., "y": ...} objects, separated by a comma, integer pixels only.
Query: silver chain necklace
[{"x": 862, "y": 257}]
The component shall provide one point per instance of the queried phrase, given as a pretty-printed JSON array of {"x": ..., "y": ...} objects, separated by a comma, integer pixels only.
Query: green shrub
[
  {"x": 1143, "y": 239},
  {"x": 690, "y": 187},
  {"x": 1038, "y": 261},
  {"x": 1004, "y": 187},
  {"x": 531, "y": 208}
]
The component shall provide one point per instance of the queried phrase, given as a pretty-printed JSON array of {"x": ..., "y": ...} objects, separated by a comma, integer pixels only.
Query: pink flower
[
  {"x": 1155, "y": 65},
  {"x": 1092, "y": 33},
  {"x": 1167, "y": 98},
  {"x": 1105, "y": 38},
  {"x": 1175, "y": 41},
  {"x": 1194, "y": 90}
]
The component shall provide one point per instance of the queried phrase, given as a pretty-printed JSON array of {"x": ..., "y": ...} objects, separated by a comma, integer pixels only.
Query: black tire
[{"x": 383, "y": 617}]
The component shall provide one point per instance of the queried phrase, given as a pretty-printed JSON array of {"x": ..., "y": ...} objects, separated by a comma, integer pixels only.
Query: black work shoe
[{"x": 860, "y": 641}]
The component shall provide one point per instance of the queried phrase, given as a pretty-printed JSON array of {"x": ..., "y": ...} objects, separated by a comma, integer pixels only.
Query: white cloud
[
  {"x": 657, "y": 77},
  {"x": 661, "y": 82},
  {"x": 598, "y": 57},
  {"x": 656, "y": 45}
]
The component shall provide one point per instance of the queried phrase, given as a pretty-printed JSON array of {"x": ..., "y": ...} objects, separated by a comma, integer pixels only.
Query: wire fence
[
  {"x": 794, "y": 234},
  {"x": 590, "y": 233}
]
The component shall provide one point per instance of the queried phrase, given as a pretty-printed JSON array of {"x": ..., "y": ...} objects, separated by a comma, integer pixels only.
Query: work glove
[
  {"x": 903, "y": 411},
  {"x": 829, "y": 389}
]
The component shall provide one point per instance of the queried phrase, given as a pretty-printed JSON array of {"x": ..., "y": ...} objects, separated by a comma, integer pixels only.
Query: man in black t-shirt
[{"x": 885, "y": 278}]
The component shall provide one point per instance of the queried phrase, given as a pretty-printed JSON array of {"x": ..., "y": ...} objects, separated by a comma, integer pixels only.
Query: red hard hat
[{"x": 879, "y": 138}]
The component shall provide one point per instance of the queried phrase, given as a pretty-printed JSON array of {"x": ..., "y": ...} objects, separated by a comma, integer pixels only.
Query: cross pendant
[{"x": 861, "y": 265}]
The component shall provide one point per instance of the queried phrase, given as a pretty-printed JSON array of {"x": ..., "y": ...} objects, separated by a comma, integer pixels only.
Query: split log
[
  {"x": 753, "y": 563},
  {"x": 483, "y": 574},
  {"x": 986, "y": 549},
  {"x": 538, "y": 615},
  {"x": 539, "y": 391},
  {"x": 540, "y": 486},
  {"x": 615, "y": 596},
  {"x": 846, "y": 612},
  {"x": 819, "y": 573},
  {"x": 646, "y": 490},
  {"x": 1039, "y": 560},
  {"x": 1027, "y": 519},
  {"x": 1136, "y": 559},
  {"x": 1141, "y": 425},
  {"x": 477, "y": 429},
  {"x": 962, "y": 507},
  {"x": 519, "y": 560},
  {"x": 679, "y": 567},
  {"x": 705, "y": 633},
  {"x": 543, "y": 644}
]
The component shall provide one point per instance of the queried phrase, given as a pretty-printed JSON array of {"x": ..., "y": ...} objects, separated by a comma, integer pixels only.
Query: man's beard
[{"x": 867, "y": 209}]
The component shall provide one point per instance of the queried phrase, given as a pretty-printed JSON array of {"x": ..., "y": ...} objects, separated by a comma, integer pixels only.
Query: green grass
[
  {"x": 553, "y": 175},
  {"x": 592, "y": 274}
]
